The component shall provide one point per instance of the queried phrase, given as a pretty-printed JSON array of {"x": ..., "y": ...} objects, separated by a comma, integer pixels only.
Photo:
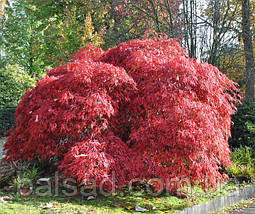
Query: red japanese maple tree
[{"x": 143, "y": 109}]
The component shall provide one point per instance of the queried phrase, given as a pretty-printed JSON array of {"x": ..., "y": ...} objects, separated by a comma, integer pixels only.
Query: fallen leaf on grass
[
  {"x": 41, "y": 180},
  {"x": 56, "y": 205},
  {"x": 192, "y": 199},
  {"x": 25, "y": 192},
  {"x": 116, "y": 205},
  {"x": 48, "y": 206},
  {"x": 91, "y": 197},
  {"x": 128, "y": 207},
  {"x": 8, "y": 188},
  {"x": 181, "y": 195},
  {"x": 6, "y": 198},
  {"x": 159, "y": 199},
  {"x": 140, "y": 209}
]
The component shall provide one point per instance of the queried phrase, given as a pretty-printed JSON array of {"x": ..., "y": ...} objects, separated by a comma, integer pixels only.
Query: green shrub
[
  {"x": 243, "y": 164},
  {"x": 243, "y": 128},
  {"x": 25, "y": 178},
  {"x": 13, "y": 84},
  {"x": 242, "y": 156},
  {"x": 7, "y": 119}
]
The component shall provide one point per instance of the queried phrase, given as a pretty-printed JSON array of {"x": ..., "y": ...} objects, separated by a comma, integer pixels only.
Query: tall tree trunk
[
  {"x": 247, "y": 39},
  {"x": 190, "y": 26}
]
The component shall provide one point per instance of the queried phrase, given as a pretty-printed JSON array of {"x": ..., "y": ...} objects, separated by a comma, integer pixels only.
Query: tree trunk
[{"x": 248, "y": 50}]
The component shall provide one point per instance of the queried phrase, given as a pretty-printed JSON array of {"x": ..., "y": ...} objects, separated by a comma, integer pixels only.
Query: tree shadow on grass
[{"x": 123, "y": 202}]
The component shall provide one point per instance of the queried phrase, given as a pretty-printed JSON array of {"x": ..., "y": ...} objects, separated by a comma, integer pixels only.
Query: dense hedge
[
  {"x": 243, "y": 127},
  {"x": 7, "y": 119}
]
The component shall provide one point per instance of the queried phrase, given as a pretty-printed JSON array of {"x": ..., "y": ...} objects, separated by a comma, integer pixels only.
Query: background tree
[
  {"x": 68, "y": 26},
  {"x": 2, "y": 4},
  {"x": 232, "y": 59},
  {"x": 248, "y": 50},
  {"x": 21, "y": 38},
  {"x": 38, "y": 35},
  {"x": 43, "y": 34},
  {"x": 161, "y": 16},
  {"x": 207, "y": 28}
]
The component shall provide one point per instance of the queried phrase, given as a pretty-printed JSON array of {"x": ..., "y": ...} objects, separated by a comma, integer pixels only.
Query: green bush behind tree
[
  {"x": 14, "y": 82},
  {"x": 242, "y": 143},
  {"x": 243, "y": 128}
]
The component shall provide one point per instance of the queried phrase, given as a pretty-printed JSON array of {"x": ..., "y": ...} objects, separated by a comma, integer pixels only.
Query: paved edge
[{"x": 221, "y": 202}]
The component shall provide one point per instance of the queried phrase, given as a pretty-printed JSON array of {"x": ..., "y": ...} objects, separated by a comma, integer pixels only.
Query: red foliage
[
  {"x": 182, "y": 109},
  {"x": 140, "y": 110}
]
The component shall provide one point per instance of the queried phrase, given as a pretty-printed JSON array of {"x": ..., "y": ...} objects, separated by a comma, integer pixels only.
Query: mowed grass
[{"x": 122, "y": 202}]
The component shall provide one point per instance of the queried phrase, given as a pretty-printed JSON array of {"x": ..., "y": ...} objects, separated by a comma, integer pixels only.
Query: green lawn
[{"x": 123, "y": 202}]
